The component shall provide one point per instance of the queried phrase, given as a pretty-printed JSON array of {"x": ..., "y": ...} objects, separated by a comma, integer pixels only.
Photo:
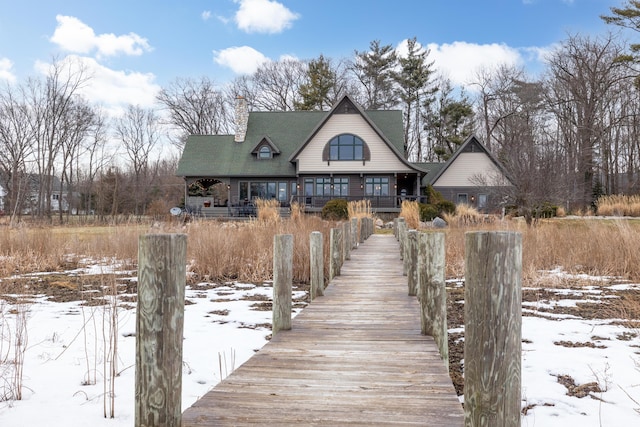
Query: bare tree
[
  {"x": 50, "y": 102},
  {"x": 583, "y": 72},
  {"x": 15, "y": 148},
  {"x": 138, "y": 131},
  {"x": 75, "y": 128},
  {"x": 273, "y": 87},
  {"x": 196, "y": 107}
]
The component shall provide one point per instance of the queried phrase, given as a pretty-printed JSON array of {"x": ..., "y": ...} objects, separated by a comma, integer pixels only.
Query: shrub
[
  {"x": 335, "y": 209},
  {"x": 428, "y": 212},
  {"x": 446, "y": 207}
]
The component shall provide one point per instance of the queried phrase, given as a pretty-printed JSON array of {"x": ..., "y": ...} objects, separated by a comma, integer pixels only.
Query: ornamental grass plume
[{"x": 410, "y": 211}]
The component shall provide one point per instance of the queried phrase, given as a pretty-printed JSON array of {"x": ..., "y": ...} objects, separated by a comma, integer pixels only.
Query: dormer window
[{"x": 264, "y": 152}]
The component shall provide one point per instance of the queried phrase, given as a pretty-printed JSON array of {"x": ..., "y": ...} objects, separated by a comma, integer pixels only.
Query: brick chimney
[{"x": 242, "y": 117}]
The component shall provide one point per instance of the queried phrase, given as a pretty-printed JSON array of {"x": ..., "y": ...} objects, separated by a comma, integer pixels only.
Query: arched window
[
  {"x": 346, "y": 147},
  {"x": 265, "y": 152}
]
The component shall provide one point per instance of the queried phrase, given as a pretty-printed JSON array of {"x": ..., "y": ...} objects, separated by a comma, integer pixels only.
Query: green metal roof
[{"x": 220, "y": 156}]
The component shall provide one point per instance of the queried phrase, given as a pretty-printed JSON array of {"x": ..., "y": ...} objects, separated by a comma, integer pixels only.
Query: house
[{"x": 311, "y": 157}]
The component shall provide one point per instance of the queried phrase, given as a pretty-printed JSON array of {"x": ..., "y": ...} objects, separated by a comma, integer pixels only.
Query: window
[
  {"x": 250, "y": 190},
  {"x": 482, "y": 200},
  {"x": 265, "y": 152},
  {"x": 346, "y": 147},
  {"x": 308, "y": 186},
  {"x": 462, "y": 198},
  {"x": 323, "y": 186},
  {"x": 340, "y": 186},
  {"x": 376, "y": 186}
]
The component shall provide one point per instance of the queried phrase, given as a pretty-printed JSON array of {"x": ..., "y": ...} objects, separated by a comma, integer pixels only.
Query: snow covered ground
[{"x": 223, "y": 328}]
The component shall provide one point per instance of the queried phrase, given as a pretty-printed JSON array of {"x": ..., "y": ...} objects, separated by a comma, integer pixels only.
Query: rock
[
  {"x": 379, "y": 223},
  {"x": 439, "y": 222}
]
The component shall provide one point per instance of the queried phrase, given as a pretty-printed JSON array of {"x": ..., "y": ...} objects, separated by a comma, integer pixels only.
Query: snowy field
[{"x": 575, "y": 370}]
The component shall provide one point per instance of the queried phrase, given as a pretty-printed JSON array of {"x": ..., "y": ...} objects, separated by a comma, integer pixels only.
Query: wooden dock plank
[{"x": 354, "y": 357}]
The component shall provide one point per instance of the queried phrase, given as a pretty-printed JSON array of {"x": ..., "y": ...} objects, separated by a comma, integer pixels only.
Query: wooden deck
[{"x": 354, "y": 357}]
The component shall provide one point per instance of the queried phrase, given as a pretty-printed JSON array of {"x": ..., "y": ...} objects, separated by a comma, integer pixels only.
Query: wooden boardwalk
[{"x": 354, "y": 357}]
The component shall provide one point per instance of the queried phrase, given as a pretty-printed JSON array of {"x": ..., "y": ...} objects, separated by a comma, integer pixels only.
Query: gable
[
  {"x": 466, "y": 170},
  {"x": 382, "y": 158},
  {"x": 472, "y": 165}
]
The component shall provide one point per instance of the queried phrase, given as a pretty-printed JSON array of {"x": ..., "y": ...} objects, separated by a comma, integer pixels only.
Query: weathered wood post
[
  {"x": 402, "y": 226},
  {"x": 395, "y": 228},
  {"x": 493, "y": 328},
  {"x": 162, "y": 272},
  {"x": 412, "y": 261},
  {"x": 432, "y": 292},
  {"x": 346, "y": 241},
  {"x": 363, "y": 230},
  {"x": 282, "y": 282},
  {"x": 335, "y": 254},
  {"x": 316, "y": 267},
  {"x": 354, "y": 233}
]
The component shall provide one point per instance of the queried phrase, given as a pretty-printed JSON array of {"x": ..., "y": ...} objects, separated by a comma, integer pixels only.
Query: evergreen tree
[
  {"x": 628, "y": 17},
  {"x": 315, "y": 92},
  {"x": 413, "y": 79},
  {"x": 448, "y": 121},
  {"x": 374, "y": 70}
]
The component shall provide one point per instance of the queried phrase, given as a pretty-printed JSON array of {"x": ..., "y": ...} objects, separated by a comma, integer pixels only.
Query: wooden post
[
  {"x": 362, "y": 229},
  {"x": 354, "y": 233},
  {"x": 334, "y": 253},
  {"x": 493, "y": 328},
  {"x": 282, "y": 282},
  {"x": 395, "y": 228},
  {"x": 346, "y": 241},
  {"x": 412, "y": 261},
  {"x": 432, "y": 292},
  {"x": 316, "y": 257},
  {"x": 162, "y": 272},
  {"x": 402, "y": 226}
]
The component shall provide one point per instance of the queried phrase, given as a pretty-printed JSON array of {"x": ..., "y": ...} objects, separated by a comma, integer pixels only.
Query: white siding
[
  {"x": 463, "y": 172},
  {"x": 382, "y": 158}
]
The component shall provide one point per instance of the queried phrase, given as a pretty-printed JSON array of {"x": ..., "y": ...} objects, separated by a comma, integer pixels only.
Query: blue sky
[{"x": 134, "y": 47}]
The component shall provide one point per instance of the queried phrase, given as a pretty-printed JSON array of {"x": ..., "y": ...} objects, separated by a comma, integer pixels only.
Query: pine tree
[
  {"x": 414, "y": 90},
  {"x": 321, "y": 78},
  {"x": 374, "y": 70}
]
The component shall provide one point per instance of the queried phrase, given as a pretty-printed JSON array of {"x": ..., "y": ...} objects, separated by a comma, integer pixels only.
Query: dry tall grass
[
  {"x": 618, "y": 205},
  {"x": 591, "y": 246},
  {"x": 410, "y": 211},
  {"x": 268, "y": 210},
  {"x": 464, "y": 215},
  {"x": 243, "y": 250},
  {"x": 359, "y": 209}
]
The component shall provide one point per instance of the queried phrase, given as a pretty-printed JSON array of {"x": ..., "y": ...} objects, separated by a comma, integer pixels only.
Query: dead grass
[
  {"x": 359, "y": 209},
  {"x": 410, "y": 211},
  {"x": 268, "y": 210},
  {"x": 590, "y": 246},
  {"x": 243, "y": 250},
  {"x": 618, "y": 205}
]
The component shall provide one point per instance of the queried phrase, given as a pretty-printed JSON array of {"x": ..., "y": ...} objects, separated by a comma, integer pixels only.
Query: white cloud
[
  {"x": 459, "y": 61},
  {"x": 263, "y": 16},
  {"x": 5, "y": 70},
  {"x": 112, "y": 89},
  {"x": 242, "y": 59},
  {"x": 206, "y": 15},
  {"x": 75, "y": 36}
]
